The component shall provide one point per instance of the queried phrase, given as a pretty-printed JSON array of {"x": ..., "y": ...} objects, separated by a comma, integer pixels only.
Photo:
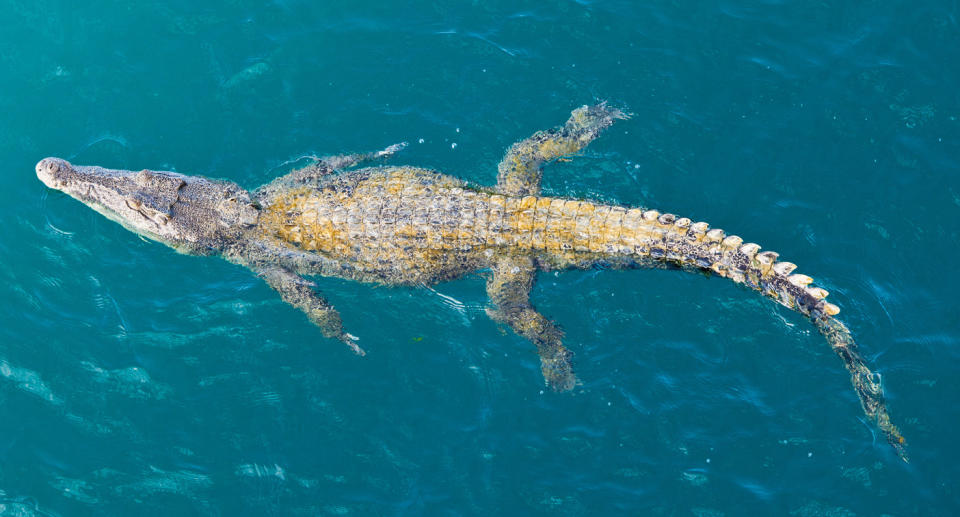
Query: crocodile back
[
  {"x": 396, "y": 225},
  {"x": 403, "y": 225}
]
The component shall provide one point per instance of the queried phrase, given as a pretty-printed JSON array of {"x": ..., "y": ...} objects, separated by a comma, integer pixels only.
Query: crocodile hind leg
[
  {"x": 509, "y": 290},
  {"x": 299, "y": 293},
  {"x": 520, "y": 171}
]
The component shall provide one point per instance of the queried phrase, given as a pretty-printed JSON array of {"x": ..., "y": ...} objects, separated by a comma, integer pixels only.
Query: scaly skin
[{"x": 410, "y": 226}]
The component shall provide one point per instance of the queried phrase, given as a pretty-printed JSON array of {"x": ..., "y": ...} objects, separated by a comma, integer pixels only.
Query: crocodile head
[{"x": 189, "y": 213}]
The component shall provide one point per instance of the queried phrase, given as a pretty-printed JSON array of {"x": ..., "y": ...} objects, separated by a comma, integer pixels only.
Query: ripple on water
[
  {"x": 175, "y": 340},
  {"x": 771, "y": 65},
  {"x": 744, "y": 391},
  {"x": 133, "y": 382},
  {"x": 264, "y": 398},
  {"x": 28, "y": 381},
  {"x": 76, "y": 489},
  {"x": 695, "y": 477},
  {"x": 756, "y": 488},
  {"x": 818, "y": 509},
  {"x": 262, "y": 471},
  {"x": 156, "y": 481},
  {"x": 22, "y": 508}
]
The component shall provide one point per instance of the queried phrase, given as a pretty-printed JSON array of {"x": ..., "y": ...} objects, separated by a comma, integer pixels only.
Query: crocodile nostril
[
  {"x": 46, "y": 172},
  {"x": 54, "y": 172}
]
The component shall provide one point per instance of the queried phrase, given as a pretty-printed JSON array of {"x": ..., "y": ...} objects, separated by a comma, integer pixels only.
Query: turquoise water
[{"x": 135, "y": 381}]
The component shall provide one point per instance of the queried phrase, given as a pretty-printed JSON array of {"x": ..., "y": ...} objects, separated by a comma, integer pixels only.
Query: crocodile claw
[
  {"x": 393, "y": 149},
  {"x": 351, "y": 341}
]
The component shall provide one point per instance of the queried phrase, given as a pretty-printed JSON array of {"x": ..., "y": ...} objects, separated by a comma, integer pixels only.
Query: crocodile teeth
[
  {"x": 750, "y": 249},
  {"x": 767, "y": 257},
  {"x": 731, "y": 242},
  {"x": 818, "y": 292},
  {"x": 800, "y": 280},
  {"x": 830, "y": 309},
  {"x": 715, "y": 235},
  {"x": 784, "y": 268}
]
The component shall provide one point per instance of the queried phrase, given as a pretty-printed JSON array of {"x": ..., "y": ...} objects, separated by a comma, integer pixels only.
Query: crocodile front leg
[
  {"x": 509, "y": 289},
  {"x": 299, "y": 293},
  {"x": 323, "y": 166},
  {"x": 344, "y": 161}
]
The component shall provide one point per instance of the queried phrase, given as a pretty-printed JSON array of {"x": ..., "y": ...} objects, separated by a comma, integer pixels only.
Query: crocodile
[{"x": 409, "y": 226}]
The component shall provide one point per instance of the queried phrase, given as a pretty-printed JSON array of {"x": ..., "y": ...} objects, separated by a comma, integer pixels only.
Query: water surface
[{"x": 136, "y": 381}]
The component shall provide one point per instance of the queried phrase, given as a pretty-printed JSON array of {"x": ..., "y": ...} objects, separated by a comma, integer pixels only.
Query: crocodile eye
[
  {"x": 134, "y": 204},
  {"x": 249, "y": 214}
]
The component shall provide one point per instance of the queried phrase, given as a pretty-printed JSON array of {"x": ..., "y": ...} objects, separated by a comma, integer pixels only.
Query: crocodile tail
[
  {"x": 866, "y": 383},
  {"x": 650, "y": 234},
  {"x": 761, "y": 271}
]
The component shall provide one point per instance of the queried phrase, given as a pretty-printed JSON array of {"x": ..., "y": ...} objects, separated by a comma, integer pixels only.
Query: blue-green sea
[{"x": 138, "y": 381}]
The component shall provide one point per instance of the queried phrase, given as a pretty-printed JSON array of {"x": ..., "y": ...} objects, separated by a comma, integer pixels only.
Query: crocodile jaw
[
  {"x": 191, "y": 214},
  {"x": 116, "y": 194}
]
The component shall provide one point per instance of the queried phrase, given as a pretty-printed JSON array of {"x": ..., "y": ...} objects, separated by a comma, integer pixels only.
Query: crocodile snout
[{"x": 50, "y": 171}]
